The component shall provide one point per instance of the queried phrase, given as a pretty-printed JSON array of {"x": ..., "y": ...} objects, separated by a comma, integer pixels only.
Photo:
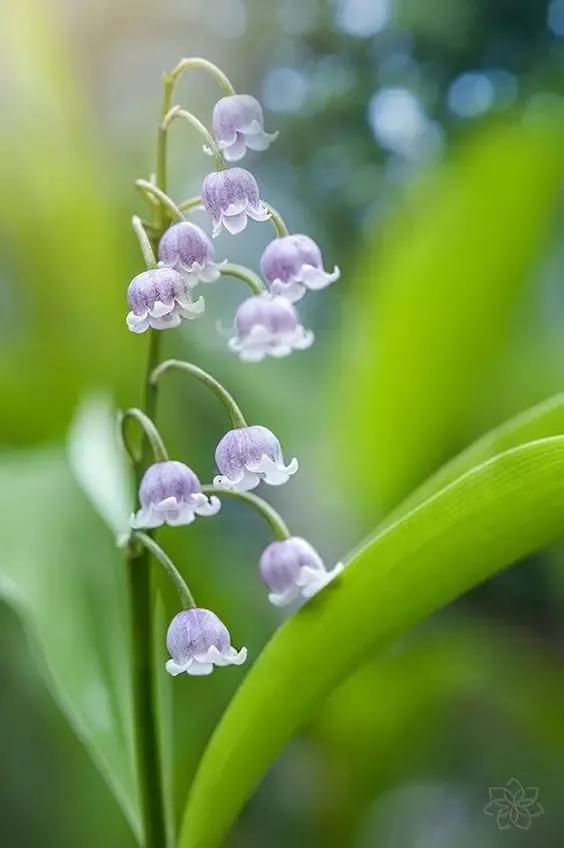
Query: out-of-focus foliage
[
  {"x": 61, "y": 239},
  {"x": 433, "y": 303},
  {"x": 460, "y": 683}
]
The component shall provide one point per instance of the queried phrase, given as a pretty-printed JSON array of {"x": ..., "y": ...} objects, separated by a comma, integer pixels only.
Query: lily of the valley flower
[
  {"x": 268, "y": 326},
  {"x": 170, "y": 493},
  {"x": 238, "y": 124},
  {"x": 160, "y": 298},
  {"x": 229, "y": 197},
  {"x": 189, "y": 250},
  {"x": 291, "y": 568},
  {"x": 197, "y": 641},
  {"x": 293, "y": 264},
  {"x": 247, "y": 455}
]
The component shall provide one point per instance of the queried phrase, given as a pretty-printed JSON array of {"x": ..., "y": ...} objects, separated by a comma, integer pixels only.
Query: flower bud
[
  {"x": 291, "y": 568},
  {"x": 247, "y": 455},
  {"x": 170, "y": 493},
  {"x": 293, "y": 264},
  {"x": 159, "y": 298},
  {"x": 197, "y": 640},
  {"x": 238, "y": 123},
  {"x": 268, "y": 326},
  {"x": 189, "y": 250},
  {"x": 229, "y": 197}
]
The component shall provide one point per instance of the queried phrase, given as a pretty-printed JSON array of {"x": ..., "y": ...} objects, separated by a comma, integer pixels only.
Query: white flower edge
[
  {"x": 203, "y": 664},
  {"x": 308, "y": 278},
  {"x": 165, "y": 316},
  {"x": 272, "y": 473},
  {"x": 309, "y": 582},
  {"x": 175, "y": 513},
  {"x": 234, "y": 218},
  {"x": 261, "y": 342}
]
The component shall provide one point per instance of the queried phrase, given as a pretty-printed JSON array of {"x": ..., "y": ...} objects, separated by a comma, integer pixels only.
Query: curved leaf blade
[
  {"x": 62, "y": 573},
  {"x": 539, "y": 422},
  {"x": 492, "y": 516}
]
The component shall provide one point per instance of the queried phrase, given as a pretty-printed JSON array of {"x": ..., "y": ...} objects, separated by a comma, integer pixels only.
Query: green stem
[
  {"x": 177, "y": 112},
  {"x": 274, "y": 520},
  {"x": 254, "y": 282},
  {"x": 146, "y": 734},
  {"x": 165, "y": 200},
  {"x": 144, "y": 242},
  {"x": 186, "y": 597},
  {"x": 152, "y": 435},
  {"x": 237, "y": 417},
  {"x": 278, "y": 221},
  {"x": 195, "y": 62},
  {"x": 191, "y": 203},
  {"x": 162, "y": 146},
  {"x": 145, "y": 712}
]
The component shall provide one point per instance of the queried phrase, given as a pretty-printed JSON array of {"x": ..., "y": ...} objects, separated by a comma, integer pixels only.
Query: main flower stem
[
  {"x": 145, "y": 704},
  {"x": 147, "y": 743}
]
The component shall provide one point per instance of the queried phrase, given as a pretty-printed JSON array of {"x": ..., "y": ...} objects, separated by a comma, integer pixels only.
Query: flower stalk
[
  {"x": 265, "y": 510},
  {"x": 234, "y": 411},
  {"x": 179, "y": 256},
  {"x": 186, "y": 597}
]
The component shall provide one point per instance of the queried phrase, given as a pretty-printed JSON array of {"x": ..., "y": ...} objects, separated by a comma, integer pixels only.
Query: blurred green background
[{"x": 421, "y": 144}]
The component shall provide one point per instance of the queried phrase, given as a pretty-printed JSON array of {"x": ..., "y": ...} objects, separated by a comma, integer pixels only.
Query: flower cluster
[{"x": 266, "y": 324}]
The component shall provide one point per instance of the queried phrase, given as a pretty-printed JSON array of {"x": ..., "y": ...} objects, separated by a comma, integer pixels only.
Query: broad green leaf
[
  {"x": 433, "y": 305},
  {"x": 492, "y": 516},
  {"x": 543, "y": 420},
  {"x": 62, "y": 573}
]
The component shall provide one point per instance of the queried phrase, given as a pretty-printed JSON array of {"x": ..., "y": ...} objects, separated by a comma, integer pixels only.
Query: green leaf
[
  {"x": 60, "y": 570},
  {"x": 492, "y": 516},
  {"x": 543, "y": 420},
  {"x": 434, "y": 304}
]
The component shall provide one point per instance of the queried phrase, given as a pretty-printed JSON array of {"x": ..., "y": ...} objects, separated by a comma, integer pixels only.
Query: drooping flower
[
  {"x": 229, "y": 197},
  {"x": 170, "y": 493},
  {"x": 291, "y": 568},
  {"x": 197, "y": 640},
  {"x": 293, "y": 264},
  {"x": 160, "y": 298},
  {"x": 189, "y": 250},
  {"x": 247, "y": 455},
  {"x": 267, "y": 325},
  {"x": 238, "y": 124}
]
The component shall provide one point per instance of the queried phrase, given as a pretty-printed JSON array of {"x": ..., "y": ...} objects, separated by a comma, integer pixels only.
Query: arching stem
[
  {"x": 278, "y": 221},
  {"x": 254, "y": 282},
  {"x": 197, "y": 63},
  {"x": 190, "y": 204},
  {"x": 186, "y": 597},
  {"x": 150, "y": 431},
  {"x": 147, "y": 187},
  {"x": 235, "y": 414},
  {"x": 144, "y": 242},
  {"x": 274, "y": 520},
  {"x": 178, "y": 113}
]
